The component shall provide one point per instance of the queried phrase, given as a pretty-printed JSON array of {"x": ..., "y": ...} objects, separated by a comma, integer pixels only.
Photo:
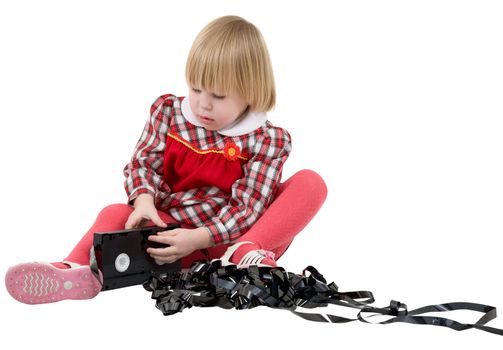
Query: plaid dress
[{"x": 220, "y": 180}]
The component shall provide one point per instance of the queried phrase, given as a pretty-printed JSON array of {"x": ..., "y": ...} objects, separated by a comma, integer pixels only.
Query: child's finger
[
  {"x": 158, "y": 221},
  {"x": 168, "y": 260},
  {"x": 167, "y": 233},
  {"x": 161, "y": 252},
  {"x": 132, "y": 221},
  {"x": 162, "y": 239}
]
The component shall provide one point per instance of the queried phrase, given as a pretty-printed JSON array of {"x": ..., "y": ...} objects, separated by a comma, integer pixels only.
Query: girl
[{"x": 211, "y": 162}]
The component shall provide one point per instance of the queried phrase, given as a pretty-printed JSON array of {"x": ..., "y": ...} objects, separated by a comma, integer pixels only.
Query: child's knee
[
  {"x": 116, "y": 210},
  {"x": 312, "y": 183}
]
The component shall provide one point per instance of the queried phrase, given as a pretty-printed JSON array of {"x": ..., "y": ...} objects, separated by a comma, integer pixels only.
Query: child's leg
[
  {"x": 110, "y": 218},
  {"x": 298, "y": 200},
  {"x": 36, "y": 283}
]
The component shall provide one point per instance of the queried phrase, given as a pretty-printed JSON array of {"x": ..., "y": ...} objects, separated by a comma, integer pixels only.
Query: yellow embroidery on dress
[{"x": 198, "y": 151}]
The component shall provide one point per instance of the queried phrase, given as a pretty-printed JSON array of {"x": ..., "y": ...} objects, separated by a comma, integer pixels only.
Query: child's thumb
[
  {"x": 157, "y": 220},
  {"x": 131, "y": 222}
]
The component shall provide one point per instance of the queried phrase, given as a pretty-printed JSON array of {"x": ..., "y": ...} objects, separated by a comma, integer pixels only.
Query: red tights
[{"x": 298, "y": 200}]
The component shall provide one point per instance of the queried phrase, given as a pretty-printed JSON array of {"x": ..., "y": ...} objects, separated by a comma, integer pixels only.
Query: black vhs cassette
[{"x": 122, "y": 258}]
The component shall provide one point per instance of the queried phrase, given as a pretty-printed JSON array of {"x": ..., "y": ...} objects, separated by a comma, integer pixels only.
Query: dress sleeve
[
  {"x": 144, "y": 172},
  {"x": 253, "y": 193}
]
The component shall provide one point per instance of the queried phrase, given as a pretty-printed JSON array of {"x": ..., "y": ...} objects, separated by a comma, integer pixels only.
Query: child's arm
[
  {"x": 252, "y": 194},
  {"x": 145, "y": 170}
]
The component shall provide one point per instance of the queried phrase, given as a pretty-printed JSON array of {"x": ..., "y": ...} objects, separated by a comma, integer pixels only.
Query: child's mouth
[{"x": 205, "y": 119}]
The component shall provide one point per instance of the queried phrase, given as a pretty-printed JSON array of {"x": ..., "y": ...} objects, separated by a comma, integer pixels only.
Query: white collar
[{"x": 250, "y": 122}]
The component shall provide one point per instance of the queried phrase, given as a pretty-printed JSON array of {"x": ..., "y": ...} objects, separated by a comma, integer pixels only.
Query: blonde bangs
[
  {"x": 208, "y": 69},
  {"x": 230, "y": 55}
]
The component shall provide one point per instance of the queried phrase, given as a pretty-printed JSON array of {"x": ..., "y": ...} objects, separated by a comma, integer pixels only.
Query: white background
[{"x": 397, "y": 104}]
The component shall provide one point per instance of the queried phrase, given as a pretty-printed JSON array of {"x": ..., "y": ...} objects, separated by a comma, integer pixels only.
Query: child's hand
[
  {"x": 144, "y": 210},
  {"x": 182, "y": 242}
]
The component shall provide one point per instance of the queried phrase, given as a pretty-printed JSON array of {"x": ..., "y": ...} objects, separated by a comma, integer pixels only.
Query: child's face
[{"x": 216, "y": 111}]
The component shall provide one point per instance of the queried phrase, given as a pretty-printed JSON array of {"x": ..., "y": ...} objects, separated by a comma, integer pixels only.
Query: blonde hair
[{"x": 230, "y": 55}]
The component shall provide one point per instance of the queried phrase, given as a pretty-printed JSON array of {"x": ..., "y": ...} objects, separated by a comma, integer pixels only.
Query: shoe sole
[{"x": 40, "y": 283}]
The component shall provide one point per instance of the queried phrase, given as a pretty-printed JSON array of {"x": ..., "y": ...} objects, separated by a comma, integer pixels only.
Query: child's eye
[
  {"x": 196, "y": 90},
  {"x": 218, "y": 97}
]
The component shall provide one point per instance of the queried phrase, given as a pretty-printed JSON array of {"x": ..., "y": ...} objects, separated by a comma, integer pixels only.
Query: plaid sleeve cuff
[
  {"x": 137, "y": 192},
  {"x": 218, "y": 232}
]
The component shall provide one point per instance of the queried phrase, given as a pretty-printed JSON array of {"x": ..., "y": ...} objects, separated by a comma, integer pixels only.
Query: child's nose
[{"x": 205, "y": 103}]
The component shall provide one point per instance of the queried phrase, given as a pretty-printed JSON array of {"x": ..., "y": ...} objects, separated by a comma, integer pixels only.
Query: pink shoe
[{"x": 38, "y": 283}]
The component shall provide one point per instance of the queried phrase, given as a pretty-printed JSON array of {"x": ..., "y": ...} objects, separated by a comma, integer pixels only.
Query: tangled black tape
[{"x": 211, "y": 284}]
